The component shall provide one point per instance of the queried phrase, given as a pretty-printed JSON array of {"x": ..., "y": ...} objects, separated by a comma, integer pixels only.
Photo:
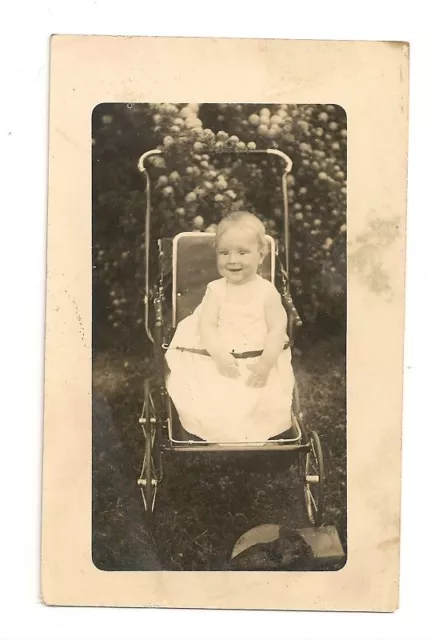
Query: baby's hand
[
  {"x": 259, "y": 374},
  {"x": 227, "y": 366}
]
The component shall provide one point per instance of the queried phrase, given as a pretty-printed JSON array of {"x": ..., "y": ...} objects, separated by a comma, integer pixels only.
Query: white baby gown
[{"x": 217, "y": 408}]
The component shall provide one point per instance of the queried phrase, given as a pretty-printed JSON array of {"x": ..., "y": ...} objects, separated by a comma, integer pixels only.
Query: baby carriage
[{"x": 184, "y": 266}]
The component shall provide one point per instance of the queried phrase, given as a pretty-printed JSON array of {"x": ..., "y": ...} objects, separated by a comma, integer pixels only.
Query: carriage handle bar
[{"x": 142, "y": 168}]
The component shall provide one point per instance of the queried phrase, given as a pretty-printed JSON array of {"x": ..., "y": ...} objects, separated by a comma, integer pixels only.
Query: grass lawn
[{"x": 206, "y": 502}]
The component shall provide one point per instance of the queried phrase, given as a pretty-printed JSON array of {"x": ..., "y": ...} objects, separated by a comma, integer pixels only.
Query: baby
[{"x": 242, "y": 390}]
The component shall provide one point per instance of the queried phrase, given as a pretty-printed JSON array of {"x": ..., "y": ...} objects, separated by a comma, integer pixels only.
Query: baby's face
[{"x": 239, "y": 255}]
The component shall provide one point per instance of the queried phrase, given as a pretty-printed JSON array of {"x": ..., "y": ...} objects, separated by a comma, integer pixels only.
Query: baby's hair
[{"x": 243, "y": 220}]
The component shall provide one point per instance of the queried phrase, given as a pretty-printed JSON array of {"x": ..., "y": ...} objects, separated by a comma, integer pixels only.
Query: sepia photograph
[
  {"x": 223, "y": 381},
  {"x": 224, "y": 375},
  {"x": 219, "y": 303}
]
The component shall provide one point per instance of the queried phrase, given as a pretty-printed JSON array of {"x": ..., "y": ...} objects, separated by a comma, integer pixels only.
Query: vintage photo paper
[{"x": 225, "y": 297}]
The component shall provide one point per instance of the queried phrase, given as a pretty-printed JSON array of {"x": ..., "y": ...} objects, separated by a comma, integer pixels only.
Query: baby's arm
[
  {"x": 209, "y": 335},
  {"x": 276, "y": 320}
]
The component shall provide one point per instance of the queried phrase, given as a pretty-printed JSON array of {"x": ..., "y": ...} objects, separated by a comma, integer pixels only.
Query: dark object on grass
[
  {"x": 286, "y": 553},
  {"x": 277, "y": 548}
]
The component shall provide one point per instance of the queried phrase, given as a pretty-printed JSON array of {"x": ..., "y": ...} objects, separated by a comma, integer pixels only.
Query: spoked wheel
[
  {"x": 312, "y": 475},
  {"x": 152, "y": 470}
]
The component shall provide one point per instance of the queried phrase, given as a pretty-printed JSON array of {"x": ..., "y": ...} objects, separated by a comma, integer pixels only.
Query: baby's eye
[{"x": 223, "y": 252}]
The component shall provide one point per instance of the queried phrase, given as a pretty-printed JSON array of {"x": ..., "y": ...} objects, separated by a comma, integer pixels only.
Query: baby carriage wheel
[
  {"x": 312, "y": 475},
  {"x": 151, "y": 472}
]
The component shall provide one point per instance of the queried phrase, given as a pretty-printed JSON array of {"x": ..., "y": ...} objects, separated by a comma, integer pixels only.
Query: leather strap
[{"x": 243, "y": 355}]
